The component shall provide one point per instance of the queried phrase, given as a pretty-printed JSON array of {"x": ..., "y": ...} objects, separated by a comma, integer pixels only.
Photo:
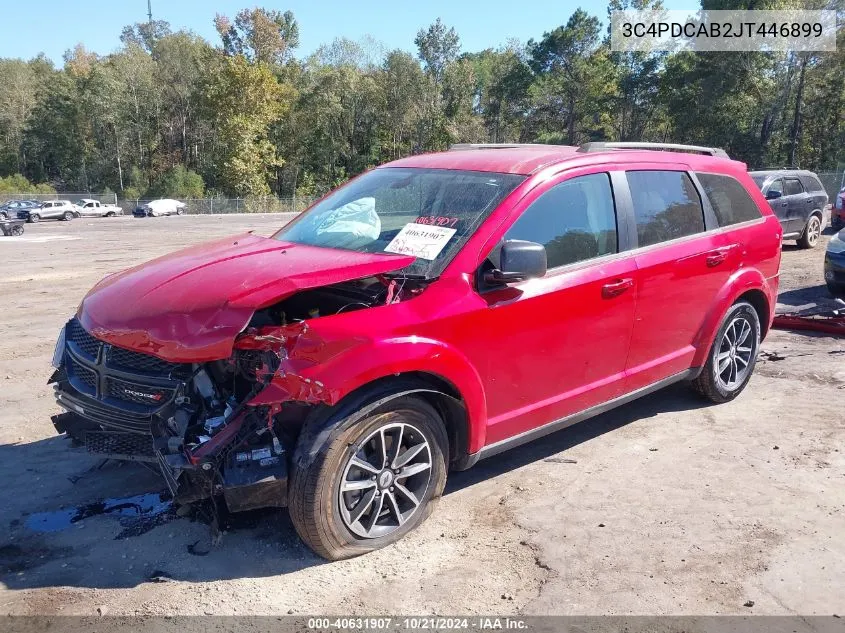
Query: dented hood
[{"x": 190, "y": 305}]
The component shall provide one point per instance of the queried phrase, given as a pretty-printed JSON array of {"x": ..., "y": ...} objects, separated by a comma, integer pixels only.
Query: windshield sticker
[
  {"x": 437, "y": 220},
  {"x": 420, "y": 240}
]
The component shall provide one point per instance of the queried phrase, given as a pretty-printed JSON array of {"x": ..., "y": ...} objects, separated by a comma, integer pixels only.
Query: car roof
[
  {"x": 529, "y": 159},
  {"x": 87, "y": 200},
  {"x": 772, "y": 173}
]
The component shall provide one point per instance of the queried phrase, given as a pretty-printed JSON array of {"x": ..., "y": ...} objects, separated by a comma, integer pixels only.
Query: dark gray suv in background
[{"x": 799, "y": 201}]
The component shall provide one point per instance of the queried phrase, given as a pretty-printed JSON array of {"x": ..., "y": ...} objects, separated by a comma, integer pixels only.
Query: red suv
[{"x": 432, "y": 312}]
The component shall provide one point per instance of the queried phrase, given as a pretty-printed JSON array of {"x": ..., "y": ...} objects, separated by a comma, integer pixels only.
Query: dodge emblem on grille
[{"x": 155, "y": 397}]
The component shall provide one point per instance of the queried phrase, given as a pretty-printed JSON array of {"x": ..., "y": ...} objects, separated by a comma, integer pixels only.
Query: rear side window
[
  {"x": 575, "y": 221},
  {"x": 792, "y": 186},
  {"x": 811, "y": 183},
  {"x": 729, "y": 199},
  {"x": 666, "y": 206}
]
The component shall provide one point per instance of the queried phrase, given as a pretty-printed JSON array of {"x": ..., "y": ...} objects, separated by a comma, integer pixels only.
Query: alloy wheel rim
[
  {"x": 733, "y": 358},
  {"x": 814, "y": 230},
  {"x": 385, "y": 480}
]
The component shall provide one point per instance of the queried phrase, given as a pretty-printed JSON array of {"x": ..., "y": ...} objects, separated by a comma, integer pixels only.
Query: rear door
[
  {"x": 557, "y": 345},
  {"x": 798, "y": 205},
  {"x": 682, "y": 263}
]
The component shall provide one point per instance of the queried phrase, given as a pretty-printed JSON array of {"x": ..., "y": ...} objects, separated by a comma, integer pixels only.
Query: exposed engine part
[{"x": 223, "y": 428}]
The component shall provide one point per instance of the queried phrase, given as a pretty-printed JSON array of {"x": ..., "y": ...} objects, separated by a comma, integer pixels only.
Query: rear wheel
[
  {"x": 3, "y": 215},
  {"x": 17, "y": 230},
  {"x": 110, "y": 214},
  {"x": 733, "y": 355},
  {"x": 34, "y": 217},
  {"x": 371, "y": 483},
  {"x": 812, "y": 232}
]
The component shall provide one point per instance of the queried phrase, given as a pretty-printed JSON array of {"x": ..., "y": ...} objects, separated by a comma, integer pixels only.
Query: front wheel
[
  {"x": 68, "y": 216},
  {"x": 733, "y": 355},
  {"x": 811, "y": 234},
  {"x": 17, "y": 230},
  {"x": 371, "y": 483},
  {"x": 178, "y": 211}
]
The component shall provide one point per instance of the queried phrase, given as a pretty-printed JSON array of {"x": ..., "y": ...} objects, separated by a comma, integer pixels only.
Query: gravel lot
[{"x": 666, "y": 506}]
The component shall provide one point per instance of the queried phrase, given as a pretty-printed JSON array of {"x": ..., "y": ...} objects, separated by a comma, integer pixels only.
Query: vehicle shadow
[
  {"x": 808, "y": 297},
  {"x": 71, "y": 526},
  {"x": 675, "y": 398}
]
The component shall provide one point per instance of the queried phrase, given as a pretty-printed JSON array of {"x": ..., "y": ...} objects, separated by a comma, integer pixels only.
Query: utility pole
[{"x": 150, "y": 11}]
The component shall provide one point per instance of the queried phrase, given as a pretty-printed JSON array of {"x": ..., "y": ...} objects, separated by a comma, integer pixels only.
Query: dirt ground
[{"x": 666, "y": 506}]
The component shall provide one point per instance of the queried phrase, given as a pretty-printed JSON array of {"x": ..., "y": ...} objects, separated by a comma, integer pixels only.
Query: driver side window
[{"x": 575, "y": 220}]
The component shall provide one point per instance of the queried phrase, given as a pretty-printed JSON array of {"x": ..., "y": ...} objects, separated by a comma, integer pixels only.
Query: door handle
[
  {"x": 714, "y": 258},
  {"x": 616, "y": 288}
]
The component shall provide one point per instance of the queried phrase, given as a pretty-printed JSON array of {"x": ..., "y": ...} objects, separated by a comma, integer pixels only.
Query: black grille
[
  {"x": 126, "y": 359},
  {"x": 87, "y": 343},
  {"x": 142, "y": 383},
  {"x": 133, "y": 446},
  {"x": 84, "y": 374},
  {"x": 140, "y": 394}
]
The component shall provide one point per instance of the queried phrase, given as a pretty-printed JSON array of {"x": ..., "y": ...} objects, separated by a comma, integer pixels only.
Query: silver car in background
[{"x": 50, "y": 210}]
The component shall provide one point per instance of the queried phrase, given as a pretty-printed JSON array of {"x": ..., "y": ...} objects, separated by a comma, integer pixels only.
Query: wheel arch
[
  {"x": 326, "y": 421},
  {"x": 746, "y": 284}
]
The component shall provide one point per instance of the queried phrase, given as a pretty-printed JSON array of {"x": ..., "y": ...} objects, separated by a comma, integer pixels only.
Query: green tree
[
  {"x": 178, "y": 182},
  {"x": 573, "y": 82},
  {"x": 260, "y": 35},
  {"x": 243, "y": 100}
]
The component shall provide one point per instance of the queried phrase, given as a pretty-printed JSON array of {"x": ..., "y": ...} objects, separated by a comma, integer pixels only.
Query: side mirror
[
  {"x": 519, "y": 260},
  {"x": 773, "y": 195}
]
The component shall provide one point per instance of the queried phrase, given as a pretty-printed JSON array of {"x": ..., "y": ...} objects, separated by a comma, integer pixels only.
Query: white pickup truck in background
[{"x": 93, "y": 208}]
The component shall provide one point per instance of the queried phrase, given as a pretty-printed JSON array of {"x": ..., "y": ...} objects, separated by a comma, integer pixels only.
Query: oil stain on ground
[{"x": 136, "y": 515}]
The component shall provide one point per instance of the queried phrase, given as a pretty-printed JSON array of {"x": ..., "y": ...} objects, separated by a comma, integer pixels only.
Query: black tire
[
  {"x": 110, "y": 214},
  {"x": 810, "y": 237},
  {"x": 16, "y": 230},
  {"x": 67, "y": 216},
  {"x": 709, "y": 384},
  {"x": 178, "y": 211},
  {"x": 33, "y": 218},
  {"x": 3, "y": 215},
  {"x": 314, "y": 496}
]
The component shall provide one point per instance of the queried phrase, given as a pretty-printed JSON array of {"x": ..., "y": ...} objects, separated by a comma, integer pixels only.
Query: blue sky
[{"x": 53, "y": 26}]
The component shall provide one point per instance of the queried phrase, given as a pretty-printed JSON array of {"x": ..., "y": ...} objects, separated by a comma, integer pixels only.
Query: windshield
[{"x": 427, "y": 213}]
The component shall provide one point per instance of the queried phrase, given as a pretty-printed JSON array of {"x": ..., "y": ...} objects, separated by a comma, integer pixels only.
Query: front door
[{"x": 557, "y": 345}]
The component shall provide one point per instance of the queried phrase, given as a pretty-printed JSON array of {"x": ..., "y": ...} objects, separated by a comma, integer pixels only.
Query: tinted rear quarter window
[
  {"x": 811, "y": 183},
  {"x": 729, "y": 199},
  {"x": 666, "y": 206}
]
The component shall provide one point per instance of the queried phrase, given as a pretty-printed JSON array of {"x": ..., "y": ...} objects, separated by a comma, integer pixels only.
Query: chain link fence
[
  {"x": 832, "y": 181},
  {"x": 206, "y": 206}
]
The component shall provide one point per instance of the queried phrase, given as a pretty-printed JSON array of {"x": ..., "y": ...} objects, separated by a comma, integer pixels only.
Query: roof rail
[
  {"x": 463, "y": 146},
  {"x": 671, "y": 147}
]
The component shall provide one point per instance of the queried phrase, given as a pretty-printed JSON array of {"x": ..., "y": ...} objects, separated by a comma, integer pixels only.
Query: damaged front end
[{"x": 215, "y": 428}]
